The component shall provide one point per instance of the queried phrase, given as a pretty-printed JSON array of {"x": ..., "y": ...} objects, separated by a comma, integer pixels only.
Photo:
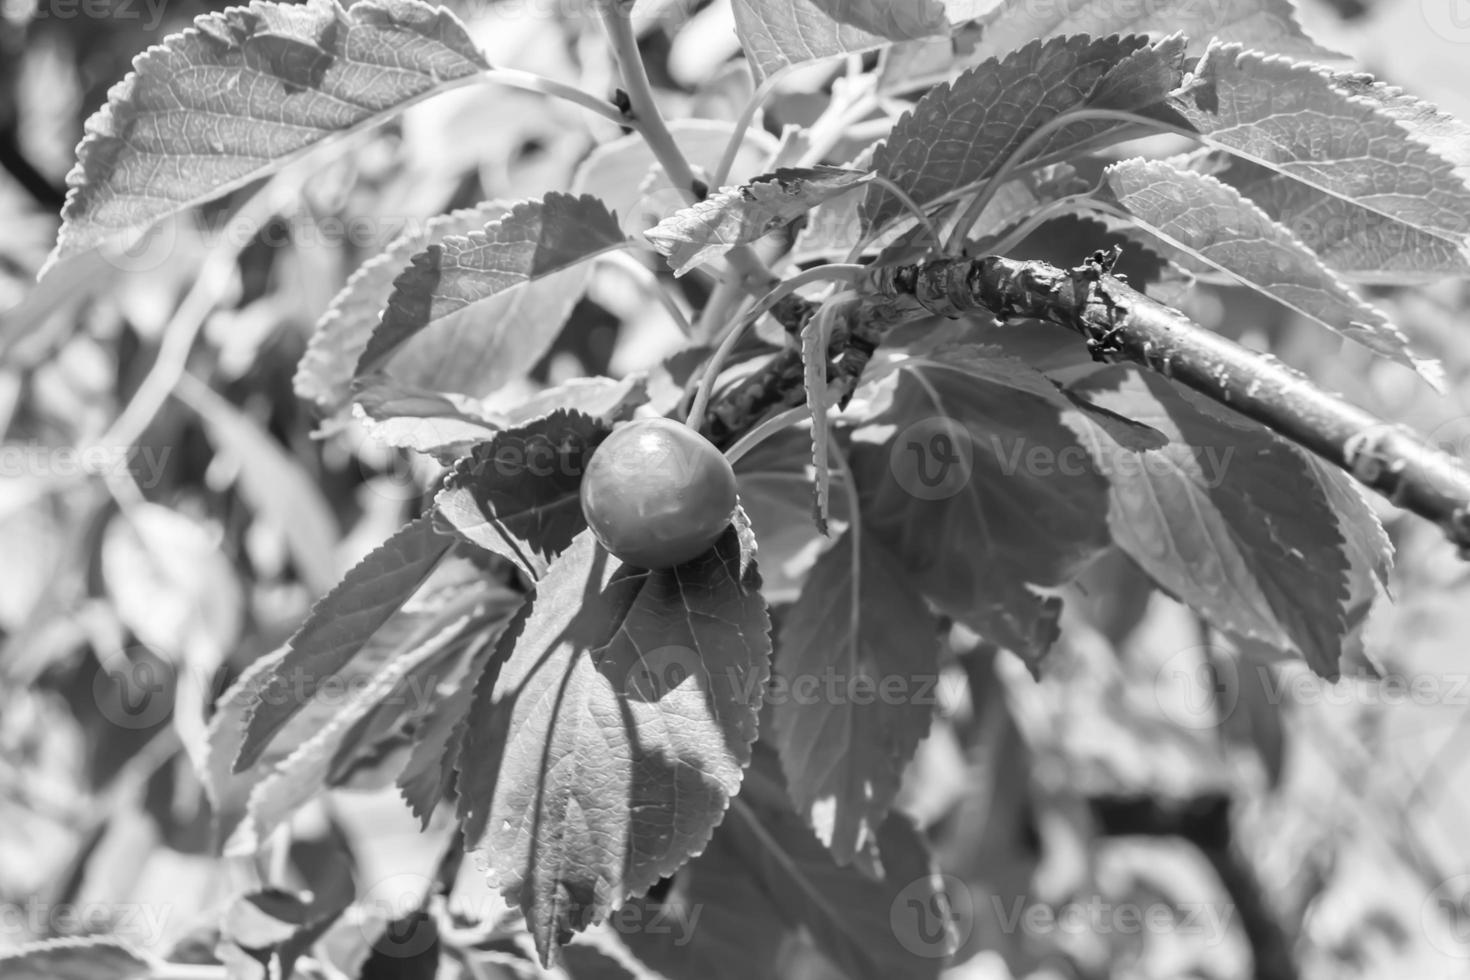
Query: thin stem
[
  {"x": 644, "y": 116},
  {"x": 908, "y": 202},
  {"x": 828, "y": 131},
  {"x": 742, "y": 125},
  {"x": 532, "y": 82},
  {"x": 822, "y": 273},
  {"x": 1039, "y": 217},
  {"x": 1019, "y": 155},
  {"x": 776, "y": 423}
]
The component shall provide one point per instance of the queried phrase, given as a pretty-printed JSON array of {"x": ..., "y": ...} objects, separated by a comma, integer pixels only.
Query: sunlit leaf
[
  {"x": 857, "y": 662},
  {"x": 245, "y": 91}
]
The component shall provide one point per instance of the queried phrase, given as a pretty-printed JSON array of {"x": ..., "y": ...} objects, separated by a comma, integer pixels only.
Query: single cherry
[{"x": 657, "y": 494}]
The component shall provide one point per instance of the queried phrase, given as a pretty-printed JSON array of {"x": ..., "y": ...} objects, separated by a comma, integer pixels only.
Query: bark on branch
[{"x": 1118, "y": 323}]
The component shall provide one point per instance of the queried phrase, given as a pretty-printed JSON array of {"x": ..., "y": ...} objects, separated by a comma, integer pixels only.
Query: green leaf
[
  {"x": 624, "y": 175},
  {"x": 92, "y": 958},
  {"x": 517, "y": 495},
  {"x": 604, "y": 399},
  {"x": 779, "y": 33},
  {"x": 1209, "y": 225},
  {"x": 1268, "y": 25},
  {"x": 405, "y": 661},
  {"x": 1391, "y": 156},
  {"x": 866, "y": 927},
  {"x": 327, "y": 369},
  {"x": 716, "y": 921},
  {"x": 737, "y": 215},
  {"x": 615, "y": 734},
  {"x": 338, "y": 628},
  {"x": 1206, "y": 517},
  {"x": 963, "y": 132},
  {"x": 445, "y": 425},
  {"x": 893, "y": 21},
  {"x": 863, "y": 640},
  {"x": 431, "y": 763},
  {"x": 1360, "y": 245},
  {"x": 245, "y": 91},
  {"x": 452, "y": 277},
  {"x": 816, "y": 337},
  {"x": 775, "y": 480},
  {"x": 971, "y": 478}
]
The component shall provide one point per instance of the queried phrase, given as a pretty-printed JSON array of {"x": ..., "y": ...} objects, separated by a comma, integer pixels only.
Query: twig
[
  {"x": 1121, "y": 324},
  {"x": 642, "y": 113},
  {"x": 531, "y": 82}
]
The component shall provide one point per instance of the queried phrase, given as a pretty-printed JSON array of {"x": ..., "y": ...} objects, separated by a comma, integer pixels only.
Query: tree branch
[{"x": 1119, "y": 323}]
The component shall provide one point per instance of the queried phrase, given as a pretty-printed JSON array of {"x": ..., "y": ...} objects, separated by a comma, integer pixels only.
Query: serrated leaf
[
  {"x": 816, "y": 337},
  {"x": 738, "y": 215},
  {"x": 867, "y": 928},
  {"x": 893, "y": 21},
  {"x": 92, "y": 958},
  {"x": 1268, "y": 25},
  {"x": 431, "y": 763},
  {"x": 445, "y": 425},
  {"x": 1359, "y": 245},
  {"x": 327, "y": 368},
  {"x": 617, "y": 729},
  {"x": 1300, "y": 120},
  {"x": 863, "y": 639},
  {"x": 457, "y": 584},
  {"x": 338, "y": 627},
  {"x": 963, "y": 132},
  {"x": 715, "y": 922},
  {"x": 1206, "y": 517},
  {"x": 980, "y": 489},
  {"x": 517, "y": 495},
  {"x": 245, "y": 91},
  {"x": 604, "y": 399},
  {"x": 452, "y": 277},
  {"x": 778, "y": 33},
  {"x": 624, "y": 175},
  {"x": 412, "y": 655},
  {"x": 1209, "y": 225},
  {"x": 775, "y": 480}
]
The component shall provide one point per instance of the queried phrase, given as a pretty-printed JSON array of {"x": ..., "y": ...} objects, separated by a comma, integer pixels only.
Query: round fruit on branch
[{"x": 657, "y": 494}]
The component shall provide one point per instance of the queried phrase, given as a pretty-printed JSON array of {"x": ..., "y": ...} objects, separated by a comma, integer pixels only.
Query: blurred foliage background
[{"x": 136, "y": 583}]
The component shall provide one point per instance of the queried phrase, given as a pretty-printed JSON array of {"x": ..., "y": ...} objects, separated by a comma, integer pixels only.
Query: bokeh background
[{"x": 151, "y": 548}]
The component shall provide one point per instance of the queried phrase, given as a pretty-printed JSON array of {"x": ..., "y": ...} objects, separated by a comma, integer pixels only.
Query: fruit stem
[
  {"x": 771, "y": 426},
  {"x": 835, "y": 272}
]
